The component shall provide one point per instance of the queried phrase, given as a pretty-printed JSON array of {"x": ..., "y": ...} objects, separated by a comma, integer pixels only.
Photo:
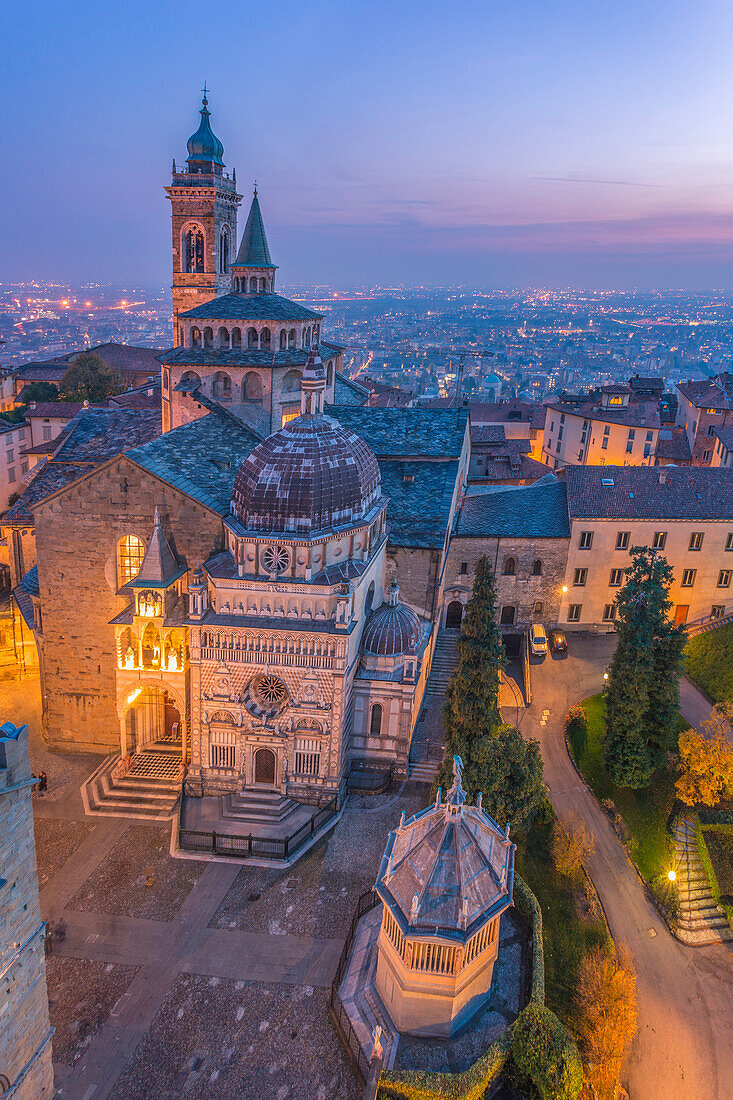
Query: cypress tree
[
  {"x": 472, "y": 704},
  {"x": 643, "y": 690}
]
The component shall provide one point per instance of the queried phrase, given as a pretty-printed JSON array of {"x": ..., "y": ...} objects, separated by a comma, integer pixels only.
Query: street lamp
[
  {"x": 564, "y": 588},
  {"x": 672, "y": 875},
  {"x": 605, "y": 676}
]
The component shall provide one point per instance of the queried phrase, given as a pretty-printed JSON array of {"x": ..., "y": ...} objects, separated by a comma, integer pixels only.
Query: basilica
[{"x": 245, "y": 594}]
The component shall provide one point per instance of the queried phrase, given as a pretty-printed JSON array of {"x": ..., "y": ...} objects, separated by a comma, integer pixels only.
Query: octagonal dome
[
  {"x": 310, "y": 476},
  {"x": 392, "y": 629}
]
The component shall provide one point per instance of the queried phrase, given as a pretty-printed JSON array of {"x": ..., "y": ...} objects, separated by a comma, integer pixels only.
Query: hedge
[
  {"x": 703, "y": 834},
  {"x": 709, "y": 662},
  {"x": 473, "y": 1082},
  {"x": 544, "y": 1050}
]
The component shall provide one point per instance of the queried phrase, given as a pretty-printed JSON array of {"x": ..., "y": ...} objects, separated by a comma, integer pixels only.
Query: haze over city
[{"x": 493, "y": 145}]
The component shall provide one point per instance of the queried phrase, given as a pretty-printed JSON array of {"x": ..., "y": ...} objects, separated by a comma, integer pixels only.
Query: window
[
  {"x": 696, "y": 540},
  {"x": 629, "y": 446},
  {"x": 193, "y": 250},
  {"x": 688, "y": 578},
  {"x": 537, "y": 612},
  {"x": 724, "y": 578},
  {"x": 609, "y": 612},
  {"x": 130, "y": 554},
  {"x": 46, "y": 433},
  {"x": 607, "y": 430},
  {"x": 559, "y": 434},
  {"x": 717, "y": 611},
  {"x": 11, "y": 475},
  {"x": 706, "y": 456},
  {"x": 557, "y": 446},
  {"x": 616, "y": 579},
  {"x": 586, "y": 540},
  {"x": 507, "y": 615},
  {"x": 464, "y": 567},
  {"x": 375, "y": 723},
  {"x": 562, "y": 418},
  {"x": 711, "y": 429},
  {"x": 510, "y": 567},
  {"x": 23, "y": 468},
  {"x": 223, "y": 749},
  {"x": 647, "y": 450},
  {"x": 308, "y": 753},
  {"x": 224, "y": 250},
  {"x": 632, "y": 433},
  {"x": 649, "y": 436},
  {"x": 9, "y": 456},
  {"x": 622, "y": 540},
  {"x": 537, "y": 568},
  {"x": 574, "y": 612},
  {"x": 580, "y": 577},
  {"x": 660, "y": 540},
  {"x": 604, "y": 443},
  {"x": 729, "y": 541},
  {"x": 552, "y": 425}
]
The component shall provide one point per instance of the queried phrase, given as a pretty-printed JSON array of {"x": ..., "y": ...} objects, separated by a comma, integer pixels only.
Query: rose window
[
  {"x": 275, "y": 559},
  {"x": 270, "y": 691}
]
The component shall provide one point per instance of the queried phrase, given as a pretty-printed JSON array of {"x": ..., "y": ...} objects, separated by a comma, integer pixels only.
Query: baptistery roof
[
  {"x": 392, "y": 629},
  {"x": 310, "y": 476},
  {"x": 449, "y": 869}
]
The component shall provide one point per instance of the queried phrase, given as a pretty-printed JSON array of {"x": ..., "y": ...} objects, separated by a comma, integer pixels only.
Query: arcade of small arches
[
  {"x": 154, "y": 648},
  {"x": 254, "y": 284},
  {"x": 254, "y": 338},
  {"x": 151, "y": 715},
  {"x": 275, "y": 647}
]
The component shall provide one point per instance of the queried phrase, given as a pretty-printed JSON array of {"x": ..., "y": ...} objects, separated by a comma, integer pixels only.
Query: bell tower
[{"x": 204, "y": 203}]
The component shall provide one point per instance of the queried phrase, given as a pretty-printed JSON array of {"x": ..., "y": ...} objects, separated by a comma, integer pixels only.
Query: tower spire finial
[{"x": 205, "y": 90}]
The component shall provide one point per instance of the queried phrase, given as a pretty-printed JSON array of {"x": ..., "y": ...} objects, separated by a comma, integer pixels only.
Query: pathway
[{"x": 684, "y": 1042}]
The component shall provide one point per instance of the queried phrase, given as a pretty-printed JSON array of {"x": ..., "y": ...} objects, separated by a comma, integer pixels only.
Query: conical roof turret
[
  {"x": 159, "y": 565},
  {"x": 253, "y": 249}
]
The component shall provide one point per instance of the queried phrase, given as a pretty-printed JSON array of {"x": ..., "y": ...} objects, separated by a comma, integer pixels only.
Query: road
[{"x": 684, "y": 1042}]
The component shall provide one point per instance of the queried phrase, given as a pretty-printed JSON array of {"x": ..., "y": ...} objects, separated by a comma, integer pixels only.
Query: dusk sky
[{"x": 489, "y": 144}]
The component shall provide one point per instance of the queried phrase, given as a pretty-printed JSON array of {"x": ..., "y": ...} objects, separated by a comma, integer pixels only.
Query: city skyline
[{"x": 503, "y": 149}]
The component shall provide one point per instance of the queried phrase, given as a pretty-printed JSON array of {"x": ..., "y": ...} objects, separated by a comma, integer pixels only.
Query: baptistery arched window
[
  {"x": 283, "y": 339},
  {"x": 193, "y": 250},
  {"x": 265, "y": 338},
  {"x": 252, "y": 340}
]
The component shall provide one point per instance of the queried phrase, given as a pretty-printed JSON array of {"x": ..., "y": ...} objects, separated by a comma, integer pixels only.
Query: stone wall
[
  {"x": 522, "y": 590},
  {"x": 77, "y": 535},
  {"x": 25, "y": 1032},
  {"x": 417, "y": 571}
]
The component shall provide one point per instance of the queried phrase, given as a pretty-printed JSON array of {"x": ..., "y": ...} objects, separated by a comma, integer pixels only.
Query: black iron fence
[
  {"x": 367, "y": 901},
  {"x": 257, "y": 847}
]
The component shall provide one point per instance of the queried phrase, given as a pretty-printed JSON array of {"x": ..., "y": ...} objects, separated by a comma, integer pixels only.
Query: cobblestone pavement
[{"x": 193, "y": 966}]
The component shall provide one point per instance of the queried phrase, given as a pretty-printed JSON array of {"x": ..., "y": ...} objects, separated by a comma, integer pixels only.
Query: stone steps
[
  {"x": 701, "y": 920},
  {"x": 146, "y": 797},
  {"x": 257, "y": 807},
  {"x": 424, "y": 772}
]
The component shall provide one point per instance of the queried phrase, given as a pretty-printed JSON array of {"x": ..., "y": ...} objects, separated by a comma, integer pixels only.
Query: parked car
[
  {"x": 559, "y": 641},
  {"x": 538, "y": 640}
]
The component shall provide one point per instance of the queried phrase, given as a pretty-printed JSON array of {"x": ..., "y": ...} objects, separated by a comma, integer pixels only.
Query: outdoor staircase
[
  {"x": 424, "y": 771},
  {"x": 148, "y": 790},
  {"x": 445, "y": 659},
  {"x": 257, "y": 807},
  {"x": 701, "y": 919}
]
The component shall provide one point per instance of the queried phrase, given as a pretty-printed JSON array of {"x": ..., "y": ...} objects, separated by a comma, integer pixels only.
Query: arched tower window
[
  {"x": 236, "y": 337},
  {"x": 263, "y": 286},
  {"x": 253, "y": 285},
  {"x": 537, "y": 568},
  {"x": 224, "y": 250},
  {"x": 236, "y": 285},
  {"x": 130, "y": 554},
  {"x": 195, "y": 337},
  {"x": 375, "y": 722},
  {"x": 329, "y": 373},
  {"x": 208, "y": 337},
  {"x": 265, "y": 338},
  {"x": 283, "y": 339},
  {"x": 223, "y": 337},
  {"x": 307, "y": 338},
  {"x": 193, "y": 250},
  {"x": 510, "y": 567},
  {"x": 252, "y": 340},
  {"x": 291, "y": 338}
]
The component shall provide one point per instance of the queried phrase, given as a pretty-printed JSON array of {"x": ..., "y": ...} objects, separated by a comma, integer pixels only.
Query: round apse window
[
  {"x": 275, "y": 559},
  {"x": 270, "y": 691}
]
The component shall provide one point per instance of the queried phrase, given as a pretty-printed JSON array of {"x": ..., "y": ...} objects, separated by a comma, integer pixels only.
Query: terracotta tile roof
[
  {"x": 708, "y": 393},
  {"x": 672, "y": 445}
]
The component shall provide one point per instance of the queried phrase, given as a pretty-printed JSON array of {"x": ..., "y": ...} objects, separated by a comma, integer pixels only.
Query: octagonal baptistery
[
  {"x": 446, "y": 877},
  {"x": 308, "y": 478}
]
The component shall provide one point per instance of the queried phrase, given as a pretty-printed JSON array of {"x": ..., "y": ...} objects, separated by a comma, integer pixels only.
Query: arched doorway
[
  {"x": 265, "y": 762},
  {"x": 454, "y": 615},
  {"x": 152, "y": 718}
]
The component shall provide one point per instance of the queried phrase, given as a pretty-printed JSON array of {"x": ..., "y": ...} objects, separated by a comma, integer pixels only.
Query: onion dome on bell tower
[{"x": 205, "y": 151}]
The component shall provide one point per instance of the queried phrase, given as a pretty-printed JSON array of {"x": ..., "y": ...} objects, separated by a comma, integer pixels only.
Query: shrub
[
  {"x": 605, "y": 1019},
  {"x": 709, "y": 663},
  {"x": 572, "y": 845},
  {"x": 545, "y": 1051},
  {"x": 576, "y": 728}
]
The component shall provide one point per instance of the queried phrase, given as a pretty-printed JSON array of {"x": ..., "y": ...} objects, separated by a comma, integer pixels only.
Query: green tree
[
  {"x": 472, "y": 707},
  {"x": 545, "y": 1051},
  {"x": 643, "y": 689},
  {"x": 40, "y": 391},
  {"x": 509, "y": 777},
  {"x": 89, "y": 378}
]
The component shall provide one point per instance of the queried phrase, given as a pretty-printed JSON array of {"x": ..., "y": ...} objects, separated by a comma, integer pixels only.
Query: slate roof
[
  {"x": 53, "y": 408},
  {"x": 29, "y": 582},
  {"x": 725, "y": 435},
  {"x": 252, "y": 307},
  {"x": 347, "y": 392},
  {"x": 200, "y": 459},
  {"x": 455, "y": 862},
  {"x": 650, "y": 492},
  {"x": 91, "y": 438},
  {"x": 406, "y": 433},
  {"x": 537, "y": 511},
  {"x": 390, "y": 631},
  {"x": 244, "y": 357},
  {"x": 418, "y": 512},
  {"x": 637, "y": 414},
  {"x": 253, "y": 249},
  {"x": 510, "y": 467},
  {"x": 491, "y": 433}
]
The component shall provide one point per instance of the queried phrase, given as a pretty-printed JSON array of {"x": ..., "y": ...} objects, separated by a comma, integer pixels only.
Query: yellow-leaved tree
[
  {"x": 605, "y": 1017},
  {"x": 706, "y": 761}
]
